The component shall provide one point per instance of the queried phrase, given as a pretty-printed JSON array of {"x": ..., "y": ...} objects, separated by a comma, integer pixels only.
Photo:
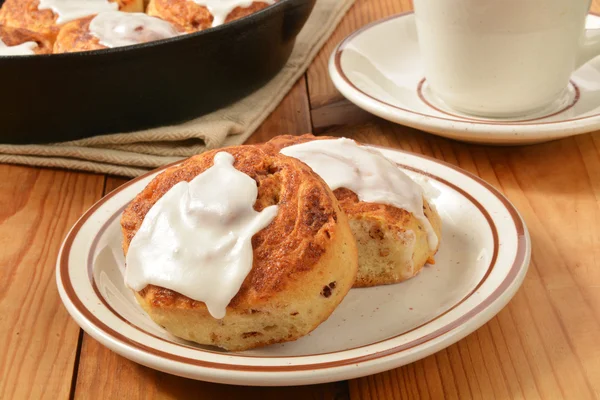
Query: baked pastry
[
  {"x": 394, "y": 243},
  {"x": 111, "y": 29},
  {"x": 197, "y": 15},
  {"x": 46, "y": 16},
  {"x": 15, "y": 41},
  {"x": 302, "y": 263}
]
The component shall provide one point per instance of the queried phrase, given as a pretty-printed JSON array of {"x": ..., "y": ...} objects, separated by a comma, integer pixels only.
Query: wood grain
[
  {"x": 320, "y": 87},
  {"x": 113, "y": 182},
  {"x": 339, "y": 113},
  {"x": 292, "y": 116},
  {"x": 38, "y": 338},
  {"x": 103, "y": 374}
]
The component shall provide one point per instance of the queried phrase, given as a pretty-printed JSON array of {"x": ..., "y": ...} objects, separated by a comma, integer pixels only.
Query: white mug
[{"x": 502, "y": 58}]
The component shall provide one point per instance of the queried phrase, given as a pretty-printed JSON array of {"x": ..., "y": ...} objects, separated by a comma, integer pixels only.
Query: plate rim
[
  {"x": 465, "y": 129},
  {"x": 153, "y": 357}
]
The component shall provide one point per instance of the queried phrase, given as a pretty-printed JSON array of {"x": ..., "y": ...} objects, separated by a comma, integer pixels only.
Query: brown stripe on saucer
[
  {"x": 494, "y": 122},
  {"x": 338, "y": 66}
]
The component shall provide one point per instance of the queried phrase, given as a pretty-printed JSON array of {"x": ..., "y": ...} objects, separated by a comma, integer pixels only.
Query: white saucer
[
  {"x": 379, "y": 69},
  {"x": 484, "y": 254}
]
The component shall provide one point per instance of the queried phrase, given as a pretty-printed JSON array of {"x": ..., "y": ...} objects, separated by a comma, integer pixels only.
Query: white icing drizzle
[
  {"x": 23, "y": 49},
  {"x": 116, "y": 28},
  {"x": 196, "y": 239},
  {"x": 69, "y": 10},
  {"x": 220, "y": 9},
  {"x": 375, "y": 179}
]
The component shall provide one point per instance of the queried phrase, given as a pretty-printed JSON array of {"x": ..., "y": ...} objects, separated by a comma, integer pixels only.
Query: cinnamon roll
[
  {"x": 396, "y": 229},
  {"x": 47, "y": 16},
  {"x": 111, "y": 29},
  {"x": 197, "y": 15},
  {"x": 238, "y": 249},
  {"x": 15, "y": 41}
]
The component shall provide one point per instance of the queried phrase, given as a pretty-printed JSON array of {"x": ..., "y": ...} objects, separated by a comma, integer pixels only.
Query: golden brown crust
[
  {"x": 390, "y": 230},
  {"x": 75, "y": 36},
  {"x": 16, "y": 36},
  {"x": 378, "y": 228},
  {"x": 25, "y": 14},
  {"x": 192, "y": 17},
  {"x": 289, "y": 247}
]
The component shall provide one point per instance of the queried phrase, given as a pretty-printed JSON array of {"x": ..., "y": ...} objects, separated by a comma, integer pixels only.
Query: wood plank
[
  {"x": 38, "y": 338},
  {"x": 544, "y": 343},
  {"x": 321, "y": 89},
  {"x": 106, "y": 375},
  {"x": 340, "y": 113},
  {"x": 113, "y": 182},
  {"x": 103, "y": 374},
  {"x": 291, "y": 117}
]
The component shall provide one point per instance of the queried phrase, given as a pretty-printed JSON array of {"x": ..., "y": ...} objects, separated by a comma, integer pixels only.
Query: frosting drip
[
  {"x": 375, "y": 179},
  {"x": 220, "y": 9},
  {"x": 69, "y": 10},
  {"x": 116, "y": 28},
  {"x": 196, "y": 239}
]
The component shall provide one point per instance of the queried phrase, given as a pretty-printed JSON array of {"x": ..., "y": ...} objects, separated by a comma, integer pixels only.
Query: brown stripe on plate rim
[
  {"x": 133, "y": 345},
  {"x": 493, "y": 229},
  {"x": 338, "y": 66}
]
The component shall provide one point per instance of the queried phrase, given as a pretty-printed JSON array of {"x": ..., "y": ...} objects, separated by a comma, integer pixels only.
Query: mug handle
[{"x": 590, "y": 47}]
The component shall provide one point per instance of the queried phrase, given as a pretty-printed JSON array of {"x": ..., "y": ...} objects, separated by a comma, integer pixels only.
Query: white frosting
[
  {"x": 220, "y": 9},
  {"x": 196, "y": 239},
  {"x": 116, "y": 28},
  {"x": 23, "y": 49},
  {"x": 375, "y": 179},
  {"x": 69, "y": 10}
]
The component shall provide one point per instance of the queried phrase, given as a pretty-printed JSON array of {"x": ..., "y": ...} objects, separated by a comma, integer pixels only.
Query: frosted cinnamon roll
[
  {"x": 111, "y": 29},
  {"x": 21, "y": 42},
  {"x": 396, "y": 229},
  {"x": 197, "y": 15},
  {"x": 47, "y": 16},
  {"x": 238, "y": 249}
]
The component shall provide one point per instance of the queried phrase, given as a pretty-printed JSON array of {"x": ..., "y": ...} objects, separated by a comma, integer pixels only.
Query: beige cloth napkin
[{"x": 134, "y": 153}]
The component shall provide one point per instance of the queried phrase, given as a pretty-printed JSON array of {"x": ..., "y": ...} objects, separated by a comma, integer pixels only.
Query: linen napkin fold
[{"x": 134, "y": 153}]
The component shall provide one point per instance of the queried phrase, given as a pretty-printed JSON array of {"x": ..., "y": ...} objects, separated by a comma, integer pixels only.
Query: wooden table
[{"x": 544, "y": 345}]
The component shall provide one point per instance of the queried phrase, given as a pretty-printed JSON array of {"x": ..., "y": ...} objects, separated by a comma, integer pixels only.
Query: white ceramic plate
[
  {"x": 484, "y": 254},
  {"x": 379, "y": 69}
]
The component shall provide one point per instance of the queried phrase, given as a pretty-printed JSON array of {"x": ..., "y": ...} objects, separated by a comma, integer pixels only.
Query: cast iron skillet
[{"x": 58, "y": 97}]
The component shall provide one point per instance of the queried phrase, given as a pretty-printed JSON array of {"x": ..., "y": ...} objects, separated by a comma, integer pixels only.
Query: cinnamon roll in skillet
[
  {"x": 15, "y": 41},
  {"x": 395, "y": 238},
  {"x": 197, "y": 15},
  {"x": 47, "y": 16},
  {"x": 111, "y": 29},
  {"x": 181, "y": 234}
]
